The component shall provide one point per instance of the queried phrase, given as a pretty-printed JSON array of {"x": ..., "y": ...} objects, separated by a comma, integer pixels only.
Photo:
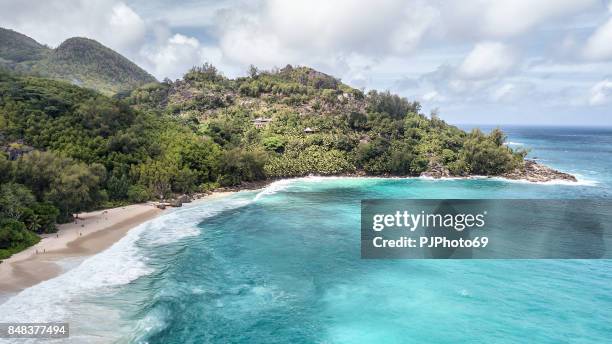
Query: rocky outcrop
[
  {"x": 531, "y": 171},
  {"x": 535, "y": 172},
  {"x": 175, "y": 203},
  {"x": 436, "y": 170},
  {"x": 184, "y": 199}
]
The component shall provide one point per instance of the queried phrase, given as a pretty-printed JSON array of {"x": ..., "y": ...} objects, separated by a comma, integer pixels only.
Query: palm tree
[{"x": 34, "y": 223}]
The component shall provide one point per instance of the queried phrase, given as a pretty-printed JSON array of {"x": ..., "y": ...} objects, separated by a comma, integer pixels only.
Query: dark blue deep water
[{"x": 282, "y": 265}]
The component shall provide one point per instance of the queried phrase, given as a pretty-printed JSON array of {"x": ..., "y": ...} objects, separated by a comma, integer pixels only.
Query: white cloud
[
  {"x": 487, "y": 60},
  {"x": 448, "y": 85},
  {"x": 432, "y": 96},
  {"x": 356, "y": 69},
  {"x": 169, "y": 59},
  {"x": 506, "y": 18},
  {"x": 323, "y": 32},
  {"x": 503, "y": 92},
  {"x": 349, "y": 25},
  {"x": 601, "y": 93},
  {"x": 173, "y": 57},
  {"x": 126, "y": 28},
  {"x": 249, "y": 45},
  {"x": 185, "y": 13},
  {"x": 512, "y": 17},
  {"x": 599, "y": 44},
  {"x": 52, "y": 21},
  {"x": 510, "y": 92}
]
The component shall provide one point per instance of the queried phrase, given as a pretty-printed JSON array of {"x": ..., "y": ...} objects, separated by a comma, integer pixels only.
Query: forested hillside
[
  {"x": 75, "y": 149},
  {"x": 80, "y": 61},
  {"x": 16, "y": 47},
  {"x": 297, "y": 121},
  {"x": 65, "y": 149}
]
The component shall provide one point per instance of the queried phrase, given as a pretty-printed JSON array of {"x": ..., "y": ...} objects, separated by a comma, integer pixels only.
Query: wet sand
[{"x": 91, "y": 233}]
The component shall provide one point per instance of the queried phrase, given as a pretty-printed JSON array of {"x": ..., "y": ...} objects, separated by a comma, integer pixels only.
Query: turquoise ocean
[{"x": 282, "y": 265}]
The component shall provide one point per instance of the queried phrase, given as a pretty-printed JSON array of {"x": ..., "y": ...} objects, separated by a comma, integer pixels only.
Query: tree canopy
[{"x": 73, "y": 149}]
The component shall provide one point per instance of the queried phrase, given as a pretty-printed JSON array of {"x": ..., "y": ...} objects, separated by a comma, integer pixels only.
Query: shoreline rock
[
  {"x": 436, "y": 170},
  {"x": 533, "y": 171}
]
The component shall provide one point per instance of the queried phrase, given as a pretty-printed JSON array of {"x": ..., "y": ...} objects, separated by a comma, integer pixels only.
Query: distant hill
[
  {"x": 81, "y": 61},
  {"x": 16, "y": 47}
]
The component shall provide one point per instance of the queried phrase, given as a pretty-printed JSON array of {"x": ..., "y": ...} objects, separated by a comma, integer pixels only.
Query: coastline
[
  {"x": 93, "y": 232},
  {"x": 554, "y": 177}
]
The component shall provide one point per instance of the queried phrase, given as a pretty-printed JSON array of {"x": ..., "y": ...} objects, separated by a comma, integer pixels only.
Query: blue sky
[{"x": 475, "y": 61}]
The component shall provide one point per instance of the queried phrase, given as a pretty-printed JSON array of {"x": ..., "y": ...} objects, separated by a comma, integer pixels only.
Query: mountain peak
[
  {"x": 78, "y": 60},
  {"x": 75, "y": 42},
  {"x": 17, "y": 47}
]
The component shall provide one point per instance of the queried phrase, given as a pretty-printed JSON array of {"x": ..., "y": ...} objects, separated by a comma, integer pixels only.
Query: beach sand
[{"x": 91, "y": 233}]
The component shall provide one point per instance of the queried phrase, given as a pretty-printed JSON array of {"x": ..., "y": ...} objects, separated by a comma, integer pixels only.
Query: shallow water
[{"x": 283, "y": 265}]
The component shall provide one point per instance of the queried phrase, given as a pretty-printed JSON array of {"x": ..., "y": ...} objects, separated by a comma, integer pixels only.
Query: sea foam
[
  {"x": 57, "y": 299},
  {"x": 275, "y": 187},
  {"x": 580, "y": 181},
  {"x": 48, "y": 301}
]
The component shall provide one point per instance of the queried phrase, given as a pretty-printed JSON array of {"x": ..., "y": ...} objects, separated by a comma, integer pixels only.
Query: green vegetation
[
  {"x": 89, "y": 151},
  {"x": 80, "y": 61},
  {"x": 70, "y": 149},
  {"x": 88, "y": 63},
  {"x": 14, "y": 237},
  {"x": 16, "y": 47},
  {"x": 377, "y": 133}
]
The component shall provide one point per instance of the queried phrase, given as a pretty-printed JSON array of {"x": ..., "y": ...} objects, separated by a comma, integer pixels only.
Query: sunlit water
[{"x": 282, "y": 265}]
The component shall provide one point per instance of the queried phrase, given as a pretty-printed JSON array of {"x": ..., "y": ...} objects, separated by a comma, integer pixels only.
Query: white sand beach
[{"x": 91, "y": 233}]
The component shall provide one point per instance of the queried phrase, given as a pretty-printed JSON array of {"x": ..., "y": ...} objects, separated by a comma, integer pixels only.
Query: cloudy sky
[{"x": 477, "y": 61}]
